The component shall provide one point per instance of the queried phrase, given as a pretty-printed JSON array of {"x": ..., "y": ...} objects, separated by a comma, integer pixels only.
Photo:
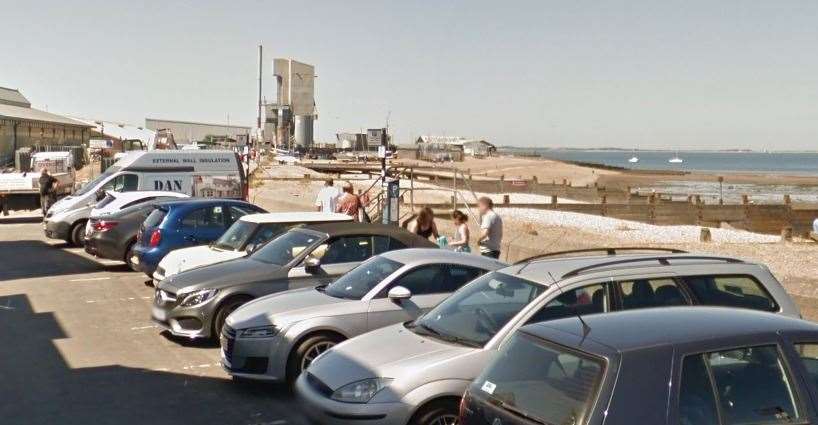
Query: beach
[{"x": 530, "y": 232}]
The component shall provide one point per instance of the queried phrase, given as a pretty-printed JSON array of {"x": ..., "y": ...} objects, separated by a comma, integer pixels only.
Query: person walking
[
  {"x": 327, "y": 197},
  {"x": 424, "y": 224},
  {"x": 491, "y": 229},
  {"x": 48, "y": 190},
  {"x": 460, "y": 241},
  {"x": 348, "y": 203}
]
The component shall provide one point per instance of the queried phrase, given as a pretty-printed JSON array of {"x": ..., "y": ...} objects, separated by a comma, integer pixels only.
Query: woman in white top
[{"x": 460, "y": 241}]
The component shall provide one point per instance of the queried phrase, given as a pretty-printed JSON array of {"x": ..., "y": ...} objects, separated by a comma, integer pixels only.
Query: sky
[{"x": 629, "y": 74}]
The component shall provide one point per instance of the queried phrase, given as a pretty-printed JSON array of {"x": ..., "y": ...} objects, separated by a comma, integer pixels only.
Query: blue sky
[{"x": 686, "y": 74}]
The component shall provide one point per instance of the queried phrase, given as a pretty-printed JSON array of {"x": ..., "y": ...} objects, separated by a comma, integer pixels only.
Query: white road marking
[
  {"x": 88, "y": 279},
  {"x": 136, "y": 328}
]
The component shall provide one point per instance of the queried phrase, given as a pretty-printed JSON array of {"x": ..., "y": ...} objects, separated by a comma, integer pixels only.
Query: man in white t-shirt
[
  {"x": 327, "y": 197},
  {"x": 491, "y": 229}
]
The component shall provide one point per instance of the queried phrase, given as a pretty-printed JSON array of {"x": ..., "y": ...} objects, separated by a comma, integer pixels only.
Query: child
[{"x": 460, "y": 241}]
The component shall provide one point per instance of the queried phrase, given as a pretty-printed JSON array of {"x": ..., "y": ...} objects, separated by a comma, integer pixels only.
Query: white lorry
[{"x": 21, "y": 190}]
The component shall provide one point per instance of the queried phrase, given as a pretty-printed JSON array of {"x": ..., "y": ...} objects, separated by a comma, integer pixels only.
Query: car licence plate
[{"x": 160, "y": 314}]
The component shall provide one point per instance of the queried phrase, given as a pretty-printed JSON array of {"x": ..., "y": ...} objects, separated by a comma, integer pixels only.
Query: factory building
[
  {"x": 452, "y": 147},
  {"x": 22, "y": 126},
  {"x": 187, "y": 132}
]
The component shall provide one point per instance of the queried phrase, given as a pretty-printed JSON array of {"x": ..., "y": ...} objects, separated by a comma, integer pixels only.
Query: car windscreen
[
  {"x": 236, "y": 236},
  {"x": 87, "y": 187},
  {"x": 540, "y": 381},
  {"x": 360, "y": 280},
  {"x": 285, "y": 248},
  {"x": 477, "y": 311}
]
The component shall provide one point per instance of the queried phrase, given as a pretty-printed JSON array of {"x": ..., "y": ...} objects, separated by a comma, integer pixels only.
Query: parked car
[
  {"x": 195, "y": 303},
  {"x": 683, "y": 365},
  {"x": 179, "y": 224},
  {"x": 113, "y": 236},
  {"x": 415, "y": 372},
  {"x": 209, "y": 173},
  {"x": 116, "y": 201},
  {"x": 277, "y": 336},
  {"x": 248, "y": 233}
]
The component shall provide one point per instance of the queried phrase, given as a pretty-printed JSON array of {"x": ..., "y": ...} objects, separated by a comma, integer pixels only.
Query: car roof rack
[
  {"x": 663, "y": 260},
  {"x": 608, "y": 251}
]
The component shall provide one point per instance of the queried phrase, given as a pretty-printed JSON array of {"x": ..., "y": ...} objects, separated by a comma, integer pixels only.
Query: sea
[{"x": 724, "y": 163}]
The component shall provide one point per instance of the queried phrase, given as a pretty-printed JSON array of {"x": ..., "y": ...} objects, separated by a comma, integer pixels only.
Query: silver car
[
  {"x": 416, "y": 372},
  {"x": 277, "y": 336}
]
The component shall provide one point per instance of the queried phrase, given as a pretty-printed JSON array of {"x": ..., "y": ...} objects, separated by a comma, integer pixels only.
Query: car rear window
[
  {"x": 155, "y": 218},
  {"x": 731, "y": 291},
  {"x": 747, "y": 385},
  {"x": 545, "y": 382}
]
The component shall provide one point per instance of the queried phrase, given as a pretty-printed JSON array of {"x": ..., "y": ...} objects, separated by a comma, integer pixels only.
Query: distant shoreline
[{"x": 508, "y": 149}]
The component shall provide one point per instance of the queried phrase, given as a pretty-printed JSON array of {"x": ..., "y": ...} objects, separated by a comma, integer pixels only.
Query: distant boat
[
  {"x": 676, "y": 159},
  {"x": 634, "y": 159}
]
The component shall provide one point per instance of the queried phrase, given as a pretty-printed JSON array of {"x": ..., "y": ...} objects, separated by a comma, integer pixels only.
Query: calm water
[
  {"x": 722, "y": 162},
  {"x": 780, "y": 163}
]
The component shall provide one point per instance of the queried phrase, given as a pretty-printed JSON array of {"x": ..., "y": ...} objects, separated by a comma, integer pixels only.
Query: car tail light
[
  {"x": 104, "y": 225},
  {"x": 156, "y": 237}
]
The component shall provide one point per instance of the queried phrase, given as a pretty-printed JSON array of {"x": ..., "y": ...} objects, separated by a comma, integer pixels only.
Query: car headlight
[
  {"x": 259, "y": 332},
  {"x": 198, "y": 297},
  {"x": 361, "y": 391}
]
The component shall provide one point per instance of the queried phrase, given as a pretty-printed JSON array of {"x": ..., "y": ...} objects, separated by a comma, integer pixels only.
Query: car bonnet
[
  {"x": 284, "y": 308},
  {"x": 392, "y": 352},
  {"x": 223, "y": 275}
]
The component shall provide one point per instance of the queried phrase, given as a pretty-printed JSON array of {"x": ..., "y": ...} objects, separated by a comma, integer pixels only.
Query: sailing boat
[
  {"x": 676, "y": 159},
  {"x": 634, "y": 159}
]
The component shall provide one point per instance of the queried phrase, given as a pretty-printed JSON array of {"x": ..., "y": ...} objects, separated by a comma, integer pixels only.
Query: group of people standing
[
  {"x": 491, "y": 229},
  {"x": 345, "y": 201},
  {"x": 331, "y": 199}
]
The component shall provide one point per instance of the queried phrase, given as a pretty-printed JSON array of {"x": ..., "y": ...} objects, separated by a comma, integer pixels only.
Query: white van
[
  {"x": 203, "y": 173},
  {"x": 245, "y": 235}
]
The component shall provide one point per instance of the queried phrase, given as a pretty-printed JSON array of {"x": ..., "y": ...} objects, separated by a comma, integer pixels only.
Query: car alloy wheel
[
  {"x": 445, "y": 420},
  {"x": 314, "y": 351}
]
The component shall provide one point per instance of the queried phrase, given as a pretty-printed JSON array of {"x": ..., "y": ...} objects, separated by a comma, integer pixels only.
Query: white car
[
  {"x": 115, "y": 201},
  {"x": 246, "y": 234}
]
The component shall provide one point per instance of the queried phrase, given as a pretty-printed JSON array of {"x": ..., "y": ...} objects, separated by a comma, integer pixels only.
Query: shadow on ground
[
  {"x": 39, "y": 387},
  {"x": 27, "y": 259}
]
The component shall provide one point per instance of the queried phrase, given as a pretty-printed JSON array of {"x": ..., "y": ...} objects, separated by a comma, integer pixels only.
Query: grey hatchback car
[
  {"x": 277, "y": 336},
  {"x": 195, "y": 303},
  {"x": 679, "y": 366},
  {"x": 416, "y": 372}
]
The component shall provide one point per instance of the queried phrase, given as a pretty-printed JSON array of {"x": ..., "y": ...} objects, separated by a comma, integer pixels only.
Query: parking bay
[{"x": 77, "y": 346}]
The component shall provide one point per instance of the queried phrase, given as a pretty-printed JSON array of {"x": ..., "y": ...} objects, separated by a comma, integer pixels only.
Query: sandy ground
[{"x": 530, "y": 232}]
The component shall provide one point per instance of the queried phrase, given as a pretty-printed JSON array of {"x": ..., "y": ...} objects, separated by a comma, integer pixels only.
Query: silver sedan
[{"x": 278, "y": 336}]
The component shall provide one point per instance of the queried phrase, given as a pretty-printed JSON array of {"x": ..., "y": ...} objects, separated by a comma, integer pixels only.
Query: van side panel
[{"x": 171, "y": 182}]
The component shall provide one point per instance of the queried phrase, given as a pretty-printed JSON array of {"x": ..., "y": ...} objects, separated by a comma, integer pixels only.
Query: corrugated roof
[
  {"x": 119, "y": 130},
  {"x": 13, "y": 97},
  {"x": 31, "y": 114}
]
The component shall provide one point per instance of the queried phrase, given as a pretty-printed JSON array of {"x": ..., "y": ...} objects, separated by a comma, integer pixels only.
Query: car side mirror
[
  {"x": 250, "y": 248},
  {"x": 100, "y": 195},
  {"x": 399, "y": 293},
  {"x": 312, "y": 265}
]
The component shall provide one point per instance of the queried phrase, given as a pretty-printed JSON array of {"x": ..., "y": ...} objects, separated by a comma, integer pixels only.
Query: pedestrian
[
  {"x": 424, "y": 224},
  {"x": 48, "y": 190},
  {"x": 491, "y": 228},
  {"x": 348, "y": 203},
  {"x": 460, "y": 241},
  {"x": 327, "y": 197}
]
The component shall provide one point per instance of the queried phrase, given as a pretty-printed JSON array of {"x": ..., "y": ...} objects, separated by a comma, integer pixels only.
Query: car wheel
[
  {"x": 307, "y": 351},
  {"x": 225, "y": 309},
  {"x": 77, "y": 234},
  {"x": 128, "y": 255},
  {"x": 443, "y": 412}
]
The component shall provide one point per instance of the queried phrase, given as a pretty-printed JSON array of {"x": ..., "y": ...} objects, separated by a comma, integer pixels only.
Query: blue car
[{"x": 179, "y": 224}]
